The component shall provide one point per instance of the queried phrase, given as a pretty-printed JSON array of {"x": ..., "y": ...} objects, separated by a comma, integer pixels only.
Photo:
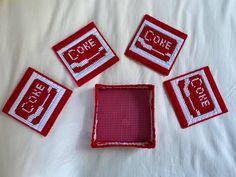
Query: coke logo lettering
[
  {"x": 85, "y": 53},
  {"x": 36, "y": 101},
  {"x": 196, "y": 95},
  {"x": 156, "y": 43}
]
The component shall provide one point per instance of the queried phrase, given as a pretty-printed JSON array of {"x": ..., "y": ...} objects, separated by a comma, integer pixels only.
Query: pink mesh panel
[{"x": 123, "y": 115}]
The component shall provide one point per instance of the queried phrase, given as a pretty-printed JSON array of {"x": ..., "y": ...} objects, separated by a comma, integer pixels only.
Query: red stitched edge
[{"x": 175, "y": 103}]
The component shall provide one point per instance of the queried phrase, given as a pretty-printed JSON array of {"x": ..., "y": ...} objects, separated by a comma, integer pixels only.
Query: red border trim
[
  {"x": 56, "y": 111},
  {"x": 177, "y": 106},
  {"x": 74, "y": 37},
  {"x": 143, "y": 60},
  {"x": 150, "y": 144}
]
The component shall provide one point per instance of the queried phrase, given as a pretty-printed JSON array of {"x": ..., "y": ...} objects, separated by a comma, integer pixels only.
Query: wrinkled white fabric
[{"x": 28, "y": 30}]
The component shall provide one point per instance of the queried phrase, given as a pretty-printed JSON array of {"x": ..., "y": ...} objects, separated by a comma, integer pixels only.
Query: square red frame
[
  {"x": 178, "y": 106},
  {"x": 161, "y": 68},
  {"x": 80, "y": 33},
  {"x": 150, "y": 143},
  {"x": 18, "y": 90}
]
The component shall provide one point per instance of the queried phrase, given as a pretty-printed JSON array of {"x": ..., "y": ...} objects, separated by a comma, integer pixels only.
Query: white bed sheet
[{"x": 28, "y": 30}]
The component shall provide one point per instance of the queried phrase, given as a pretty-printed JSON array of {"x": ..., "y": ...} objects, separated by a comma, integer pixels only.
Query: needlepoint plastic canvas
[
  {"x": 85, "y": 54},
  {"x": 37, "y": 101},
  {"x": 195, "y": 97},
  {"x": 124, "y": 116},
  {"x": 156, "y": 45}
]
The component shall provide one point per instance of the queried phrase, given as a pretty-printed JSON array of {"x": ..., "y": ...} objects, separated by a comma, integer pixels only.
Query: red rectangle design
[
  {"x": 156, "y": 45},
  {"x": 85, "y": 54},
  {"x": 37, "y": 101},
  {"x": 195, "y": 97}
]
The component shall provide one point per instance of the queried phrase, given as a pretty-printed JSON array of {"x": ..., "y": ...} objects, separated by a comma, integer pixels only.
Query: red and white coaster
[
  {"x": 37, "y": 101},
  {"x": 85, "y": 54},
  {"x": 156, "y": 45},
  {"x": 124, "y": 116},
  {"x": 195, "y": 97}
]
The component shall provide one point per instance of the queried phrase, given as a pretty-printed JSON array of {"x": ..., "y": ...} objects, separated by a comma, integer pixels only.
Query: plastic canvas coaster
[
  {"x": 37, "y": 101},
  {"x": 195, "y": 97},
  {"x": 156, "y": 45},
  {"x": 85, "y": 54},
  {"x": 124, "y": 116}
]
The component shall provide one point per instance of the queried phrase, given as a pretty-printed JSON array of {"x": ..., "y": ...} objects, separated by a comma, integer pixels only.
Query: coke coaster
[
  {"x": 124, "y": 116},
  {"x": 37, "y": 101},
  {"x": 85, "y": 54},
  {"x": 195, "y": 97},
  {"x": 156, "y": 45}
]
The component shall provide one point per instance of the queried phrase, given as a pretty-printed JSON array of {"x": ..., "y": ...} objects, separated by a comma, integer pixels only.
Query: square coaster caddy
[{"x": 124, "y": 116}]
